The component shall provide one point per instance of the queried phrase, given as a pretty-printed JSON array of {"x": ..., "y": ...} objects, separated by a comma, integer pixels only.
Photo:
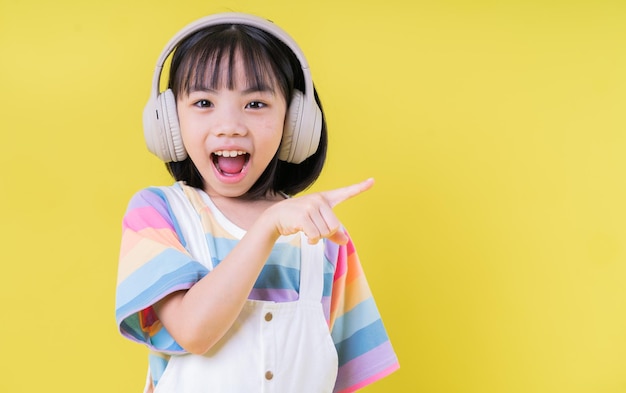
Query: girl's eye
[
  {"x": 203, "y": 104},
  {"x": 256, "y": 105}
]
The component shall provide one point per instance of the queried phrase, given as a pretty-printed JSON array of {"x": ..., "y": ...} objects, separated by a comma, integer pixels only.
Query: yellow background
[{"x": 494, "y": 239}]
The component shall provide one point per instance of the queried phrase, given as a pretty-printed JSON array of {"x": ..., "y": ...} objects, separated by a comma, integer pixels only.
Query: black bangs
[{"x": 211, "y": 56}]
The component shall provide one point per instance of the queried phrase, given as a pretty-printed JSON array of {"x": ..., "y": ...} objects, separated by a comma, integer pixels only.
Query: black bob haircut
[{"x": 207, "y": 58}]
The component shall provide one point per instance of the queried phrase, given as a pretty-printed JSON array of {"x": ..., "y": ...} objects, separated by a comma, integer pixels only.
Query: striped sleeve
[
  {"x": 365, "y": 352},
  {"x": 152, "y": 264}
]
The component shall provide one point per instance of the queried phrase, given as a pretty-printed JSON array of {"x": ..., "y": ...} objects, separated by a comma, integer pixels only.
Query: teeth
[{"x": 229, "y": 153}]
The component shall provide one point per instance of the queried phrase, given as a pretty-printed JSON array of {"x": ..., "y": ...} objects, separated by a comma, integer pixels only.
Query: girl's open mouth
[{"x": 230, "y": 162}]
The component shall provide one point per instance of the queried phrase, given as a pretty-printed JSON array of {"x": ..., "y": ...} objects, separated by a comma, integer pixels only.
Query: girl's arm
[{"x": 197, "y": 318}]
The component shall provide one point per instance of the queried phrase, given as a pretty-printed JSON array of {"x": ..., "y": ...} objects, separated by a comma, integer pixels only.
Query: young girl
[{"x": 232, "y": 284}]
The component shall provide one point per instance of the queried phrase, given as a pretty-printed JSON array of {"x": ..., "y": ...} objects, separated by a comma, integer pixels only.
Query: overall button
[
  {"x": 269, "y": 375},
  {"x": 268, "y": 316}
]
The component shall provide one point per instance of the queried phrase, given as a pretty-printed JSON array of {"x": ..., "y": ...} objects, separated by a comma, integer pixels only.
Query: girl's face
[{"x": 231, "y": 135}]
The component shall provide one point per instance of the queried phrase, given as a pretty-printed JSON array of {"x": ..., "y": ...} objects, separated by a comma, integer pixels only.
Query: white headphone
[{"x": 303, "y": 122}]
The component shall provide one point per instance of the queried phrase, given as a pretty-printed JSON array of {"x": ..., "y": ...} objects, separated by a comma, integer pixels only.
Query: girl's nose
[{"x": 229, "y": 122}]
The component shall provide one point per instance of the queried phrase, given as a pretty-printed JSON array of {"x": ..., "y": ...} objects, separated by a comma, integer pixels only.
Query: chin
[{"x": 229, "y": 191}]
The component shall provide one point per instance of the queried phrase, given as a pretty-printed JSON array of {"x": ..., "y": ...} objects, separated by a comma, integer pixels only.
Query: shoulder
[
  {"x": 149, "y": 196},
  {"x": 157, "y": 196},
  {"x": 149, "y": 206}
]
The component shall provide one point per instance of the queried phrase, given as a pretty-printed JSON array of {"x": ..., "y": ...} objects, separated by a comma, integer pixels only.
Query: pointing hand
[{"x": 313, "y": 215}]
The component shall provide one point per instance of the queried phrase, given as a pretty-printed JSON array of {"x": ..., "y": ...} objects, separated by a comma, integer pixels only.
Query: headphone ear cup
[
  {"x": 302, "y": 130},
  {"x": 152, "y": 129},
  {"x": 171, "y": 128},
  {"x": 161, "y": 128},
  {"x": 292, "y": 126}
]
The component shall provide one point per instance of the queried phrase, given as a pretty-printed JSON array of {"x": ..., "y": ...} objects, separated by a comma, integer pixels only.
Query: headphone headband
[
  {"x": 229, "y": 18},
  {"x": 304, "y": 119}
]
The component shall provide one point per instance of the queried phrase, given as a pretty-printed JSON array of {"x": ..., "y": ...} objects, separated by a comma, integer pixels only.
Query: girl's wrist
[{"x": 266, "y": 224}]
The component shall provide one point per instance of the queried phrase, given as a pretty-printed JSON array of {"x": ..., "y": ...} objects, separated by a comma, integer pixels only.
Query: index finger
[{"x": 338, "y": 195}]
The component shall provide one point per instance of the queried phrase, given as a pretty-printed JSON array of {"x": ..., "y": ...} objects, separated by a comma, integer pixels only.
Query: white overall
[{"x": 271, "y": 347}]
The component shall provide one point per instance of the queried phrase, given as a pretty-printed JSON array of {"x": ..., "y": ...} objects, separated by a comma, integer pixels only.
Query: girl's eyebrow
[
  {"x": 258, "y": 89},
  {"x": 252, "y": 89},
  {"x": 202, "y": 89}
]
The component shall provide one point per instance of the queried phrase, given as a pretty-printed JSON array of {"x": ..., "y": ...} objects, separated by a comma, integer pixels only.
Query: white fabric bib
[{"x": 271, "y": 347}]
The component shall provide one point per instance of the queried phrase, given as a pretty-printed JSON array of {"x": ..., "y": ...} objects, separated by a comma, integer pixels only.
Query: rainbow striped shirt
[{"x": 154, "y": 263}]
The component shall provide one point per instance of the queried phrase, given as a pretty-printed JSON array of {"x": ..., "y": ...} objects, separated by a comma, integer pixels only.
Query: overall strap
[
  {"x": 189, "y": 223},
  {"x": 311, "y": 270}
]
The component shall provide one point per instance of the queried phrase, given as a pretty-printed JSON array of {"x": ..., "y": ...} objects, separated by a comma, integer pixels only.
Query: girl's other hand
[{"x": 313, "y": 214}]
